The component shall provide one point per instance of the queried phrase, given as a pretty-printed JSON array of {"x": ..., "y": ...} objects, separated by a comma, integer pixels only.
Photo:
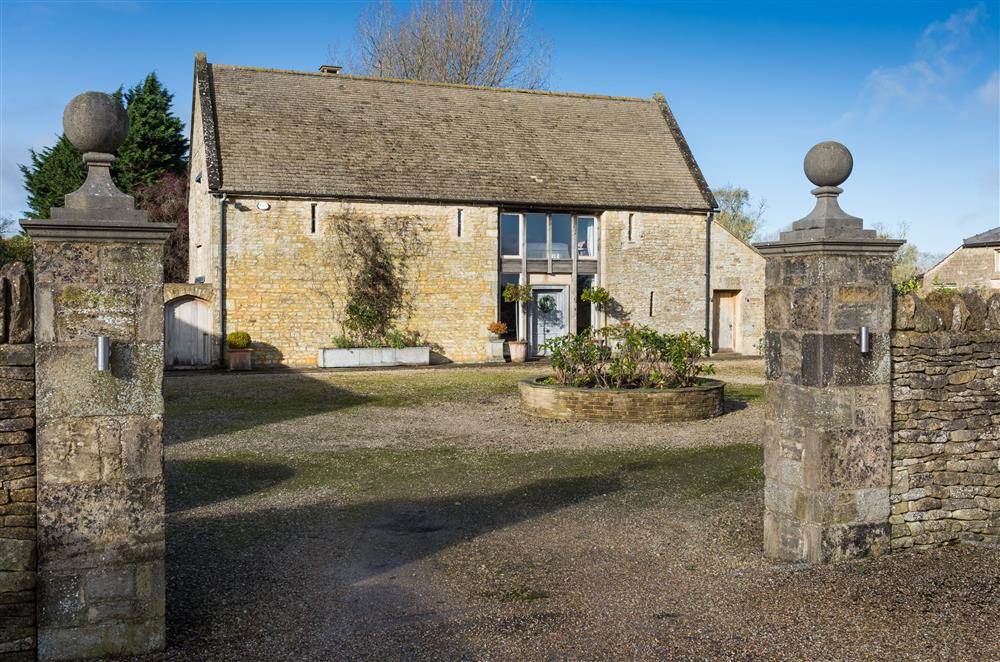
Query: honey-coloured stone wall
[
  {"x": 17, "y": 466},
  {"x": 946, "y": 420},
  {"x": 738, "y": 267},
  {"x": 968, "y": 266},
  {"x": 665, "y": 258},
  {"x": 286, "y": 286}
]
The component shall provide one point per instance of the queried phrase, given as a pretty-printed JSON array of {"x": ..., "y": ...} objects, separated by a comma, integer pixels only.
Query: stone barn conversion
[
  {"x": 976, "y": 264},
  {"x": 491, "y": 186}
]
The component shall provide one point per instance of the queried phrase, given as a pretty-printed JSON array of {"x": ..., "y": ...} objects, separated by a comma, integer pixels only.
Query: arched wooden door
[{"x": 187, "y": 325}]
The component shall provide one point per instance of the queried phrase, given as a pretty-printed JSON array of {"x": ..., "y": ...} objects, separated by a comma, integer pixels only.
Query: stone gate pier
[
  {"x": 99, "y": 275},
  {"x": 828, "y": 436}
]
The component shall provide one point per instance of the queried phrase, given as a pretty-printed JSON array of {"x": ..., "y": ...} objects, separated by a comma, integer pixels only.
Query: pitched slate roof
[
  {"x": 988, "y": 238},
  {"x": 329, "y": 135}
]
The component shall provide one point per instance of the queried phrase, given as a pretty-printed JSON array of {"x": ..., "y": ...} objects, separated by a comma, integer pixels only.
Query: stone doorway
[{"x": 725, "y": 321}]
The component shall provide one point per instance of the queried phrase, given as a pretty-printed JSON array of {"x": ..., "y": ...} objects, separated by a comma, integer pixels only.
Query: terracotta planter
[
  {"x": 518, "y": 351},
  {"x": 239, "y": 359}
]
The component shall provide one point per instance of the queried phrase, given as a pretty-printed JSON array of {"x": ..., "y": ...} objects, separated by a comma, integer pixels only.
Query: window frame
[
  {"x": 520, "y": 229},
  {"x": 574, "y": 231},
  {"x": 597, "y": 236}
]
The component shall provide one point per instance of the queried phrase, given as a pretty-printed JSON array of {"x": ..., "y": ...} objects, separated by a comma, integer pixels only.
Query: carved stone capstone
[
  {"x": 95, "y": 122},
  {"x": 828, "y": 164}
]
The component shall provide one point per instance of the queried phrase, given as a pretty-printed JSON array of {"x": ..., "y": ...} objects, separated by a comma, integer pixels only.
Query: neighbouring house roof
[
  {"x": 988, "y": 238},
  {"x": 329, "y": 135}
]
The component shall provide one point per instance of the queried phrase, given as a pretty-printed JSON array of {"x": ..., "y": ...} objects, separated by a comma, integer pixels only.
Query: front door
[{"x": 548, "y": 315}]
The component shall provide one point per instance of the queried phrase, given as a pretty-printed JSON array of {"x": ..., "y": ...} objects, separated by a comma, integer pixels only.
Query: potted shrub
[
  {"x": 494, "y": 349},
  {"x": 238, "y": 343},
  {"x": 519, "y": 294}
]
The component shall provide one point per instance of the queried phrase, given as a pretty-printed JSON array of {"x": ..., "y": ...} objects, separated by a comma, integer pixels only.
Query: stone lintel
[
  {"x": 91, "y": 231},
  {"x": 829, "y": 247}
]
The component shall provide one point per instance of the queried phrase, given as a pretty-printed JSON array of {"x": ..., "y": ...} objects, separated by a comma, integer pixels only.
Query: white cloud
[
  {"x": 989, "y": 92},
  {"x": 944, "y": 54}
]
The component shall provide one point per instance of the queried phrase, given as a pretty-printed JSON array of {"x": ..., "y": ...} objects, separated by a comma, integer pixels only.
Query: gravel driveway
[{"x": 418, "y": 515}]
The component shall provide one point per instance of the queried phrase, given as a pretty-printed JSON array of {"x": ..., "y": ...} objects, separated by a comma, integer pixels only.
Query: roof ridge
[{"x": 406, "y": 81}]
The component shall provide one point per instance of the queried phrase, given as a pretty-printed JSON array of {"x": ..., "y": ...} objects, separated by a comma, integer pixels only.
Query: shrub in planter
[
  {"x": 624, "y": 356},
  {"x": 240, "y": 351},
  {"x": 494, "y": 346}
]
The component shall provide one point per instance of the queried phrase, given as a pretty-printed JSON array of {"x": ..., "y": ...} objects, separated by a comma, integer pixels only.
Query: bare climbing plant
[{"x": 377, "y": 258}]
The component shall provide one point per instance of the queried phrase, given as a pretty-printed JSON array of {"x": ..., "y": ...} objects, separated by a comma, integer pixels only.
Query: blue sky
[{"x": 911, "y": 88}]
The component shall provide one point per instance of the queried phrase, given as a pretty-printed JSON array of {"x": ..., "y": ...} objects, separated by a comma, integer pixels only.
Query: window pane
[
  {"x": 562, "y": 236},
  {"x": 508, "y": 311},
  {"x": 510, "y": 234},
  {"x": 586, "y": 236},
  {"x": 537, "y": 236}
]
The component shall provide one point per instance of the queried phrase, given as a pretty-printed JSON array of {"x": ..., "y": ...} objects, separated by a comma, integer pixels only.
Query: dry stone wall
[
  {"x": 17, "y": 466},
  {"x": 946, "y": 420}
]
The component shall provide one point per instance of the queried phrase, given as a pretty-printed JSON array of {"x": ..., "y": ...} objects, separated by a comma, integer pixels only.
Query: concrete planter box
[
  {"x": 651, "y": 405},
  {"x": 372, "y": 357},
  {"x": 494, "y": 351}
]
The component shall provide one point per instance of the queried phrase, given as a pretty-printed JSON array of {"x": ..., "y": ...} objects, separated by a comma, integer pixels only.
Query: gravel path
[{"x": 599, "y": 566}]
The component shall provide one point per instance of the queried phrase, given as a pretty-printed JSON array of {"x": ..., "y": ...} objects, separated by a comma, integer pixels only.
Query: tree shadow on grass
[
  {"x": 195, "y": 410},
  {"x": 214, "y": 480}
]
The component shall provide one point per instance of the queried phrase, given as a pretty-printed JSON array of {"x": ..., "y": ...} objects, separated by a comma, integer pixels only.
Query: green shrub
[
  {"x": 596, "y": 295},
  {"x": 343, "y": 342},
  {"x": 515, "y": 293},
  {"x": 400, "y": 339},
  {"x": 907, "y": 286},
  {"x": 628, "y": 357},
  {"x": 238, "y": 340}
]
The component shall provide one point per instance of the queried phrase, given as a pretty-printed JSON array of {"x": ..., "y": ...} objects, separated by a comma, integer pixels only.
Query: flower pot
[
  {"x": 239, "y": 359},
  {"x": 518, "y": 351}
]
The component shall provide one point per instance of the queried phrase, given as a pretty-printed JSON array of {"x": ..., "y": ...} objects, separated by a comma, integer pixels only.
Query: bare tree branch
[{"x": 472, "y": 42}]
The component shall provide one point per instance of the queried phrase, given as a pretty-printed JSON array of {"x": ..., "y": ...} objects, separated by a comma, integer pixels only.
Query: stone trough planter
[
  {"x": 652, "y": 405},
  {"x": 372, "y": 357}
]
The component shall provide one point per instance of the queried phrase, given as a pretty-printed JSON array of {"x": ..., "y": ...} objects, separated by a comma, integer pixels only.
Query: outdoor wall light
[
  {"x": 103, "y": 353},
  {"x": 864, "y": 340}
]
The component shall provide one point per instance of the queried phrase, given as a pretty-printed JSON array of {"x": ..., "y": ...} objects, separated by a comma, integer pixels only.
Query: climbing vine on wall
[{"x": 377, "y": 256}]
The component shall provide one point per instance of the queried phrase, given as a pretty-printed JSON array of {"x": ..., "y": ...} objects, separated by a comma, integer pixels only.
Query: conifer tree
[
  {"x": 53, "y": 172},
  {"x": 155, "y": 144}
]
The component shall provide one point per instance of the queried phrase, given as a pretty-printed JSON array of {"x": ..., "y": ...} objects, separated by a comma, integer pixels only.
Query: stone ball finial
[
  {"x": 95, "y": 122},
  {"x": 828, "y": 164}
]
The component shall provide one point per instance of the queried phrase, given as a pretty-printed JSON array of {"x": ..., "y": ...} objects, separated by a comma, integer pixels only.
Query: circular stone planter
[{"x": 640, "y": 405}]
